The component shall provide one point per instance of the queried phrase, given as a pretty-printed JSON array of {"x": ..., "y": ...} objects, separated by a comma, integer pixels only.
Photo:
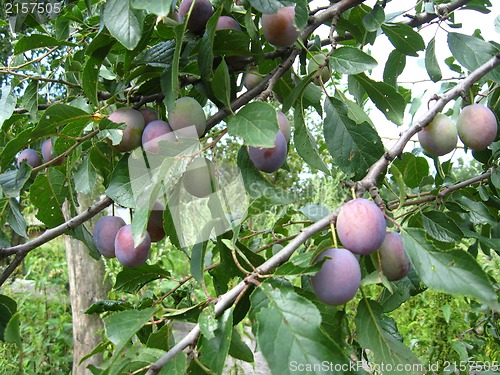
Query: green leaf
[
  {"x": 299, "y": 265},
  {"x": 385, "y": 97},
  {"x": 441, "y": 226},
  {"x": 131, "y": 280},
  {"x": 34, "y": 41},
  {"x": 288, "y": 331},
  {"x": 15, "y": 218},
  {"x": 404, "y": 38},
  {"x": 160, "y": 8},
  {"x": 177, "y": 366},
  {"x": 12, "y": 333},
  {"x": 85, "y": 177},
  {"x": 120, "y": 187},
  {"x": 122, "y": 326},
  {"x": 431, "y": 63},
  {"x": 82, "y": 234},
  {"x": 206, "y": 53},
  {"x": 207, "y": 322},
  {"x": 455, "y": 271},
  {"x": 231, "y": 43},
  {"x": 134, "y": 360},
  {"x": 305, "y": 143},
  {"x": 239, "y": 349},
  {"x": 256, "y": 123},
  {"x": 90, "y": 78},
  {"x": 394, "y": 66},
  {"x": 214, "y": 351},
  {"x": 377, "y": 333},
  {"x": 354, "y": 147},
  {"x": 297, "y": 92},
  {"x": 160, "y": 54},
  {"x": 221, "y": 84},
  {"x": 170, "y": 76},
  {"x": 491, "y": 243},
  {"x": 374, "y": 19},
  {"x": 13, "y": 180},
  {"x": 350, "y": 60},
  {"x": 140, "y": 223},
  {"x": 478, "y": 212},
  {"x": 161, "y": 338},
  {"x": 123, "y": 22},
  {"x": 8, "y": 307},
  {"x": 354, "y": 111},
  {"x": 7, "y": 103},
  {"x": 57, "y": 115},
  {"x": 108, "y": 305},
  {"x": 413, "y": 169},
  {"x": 30, "y": 100},
  {"x": 48, "y": 194},
  {"x": 197, "y": 261},
  {"x": 472, "y": 52}
]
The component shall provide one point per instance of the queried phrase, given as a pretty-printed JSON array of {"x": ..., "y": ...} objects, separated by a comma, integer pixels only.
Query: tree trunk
[{"x": 86, "y": 285}]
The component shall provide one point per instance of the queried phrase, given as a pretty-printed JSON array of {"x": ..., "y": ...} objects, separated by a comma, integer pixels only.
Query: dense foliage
[{"x": 246, "y": 228}]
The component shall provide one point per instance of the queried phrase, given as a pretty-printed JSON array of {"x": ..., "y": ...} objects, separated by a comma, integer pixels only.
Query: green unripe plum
[
  {"x": 126, "y": 253},
  {"x": 439, "y": 137},
  {"x": 338, "y": 279},
  {"x": 134, "y": 126},
  {"x": 279, "y": 28},
  {"x": 148, "y": 114},
  {"x": 252, "y": 78},
  {"x": 199, "y": 178},
  {"x": 105, "y": 231},
  {"x": 319, "y": 64},
  {"x": 155, "y": 223},
  {"x": 477, "y": 126},
  {"x": 30, "y": 156},
  {"x": 201, "y": 13},
  {"x": 393, "y": 258},
  {"x": 284, "y": 125},
  {"x": 361, "y": 226},
  {"x": 188, "y": 112}
]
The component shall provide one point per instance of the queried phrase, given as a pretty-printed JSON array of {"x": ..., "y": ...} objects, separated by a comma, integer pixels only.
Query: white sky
[{"x": 415, "y": 69}]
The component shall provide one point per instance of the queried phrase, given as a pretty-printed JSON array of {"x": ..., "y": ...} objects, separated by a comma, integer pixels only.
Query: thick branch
[
  {"x": 442, "y": 11},
  {"x": 23, "y": 249},
  {"x": 483, "y": 177},
  {"x": 380, "y": 166}
]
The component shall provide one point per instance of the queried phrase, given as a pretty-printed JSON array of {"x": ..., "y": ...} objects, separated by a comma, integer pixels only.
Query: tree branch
[
  {"x": 226, "y": 300},
  {"x": 444, "y": 191},
  {"x": 22, "y": 250},
  {"x": 379, "y": 167},
  {"x": 442, "y": 11}
]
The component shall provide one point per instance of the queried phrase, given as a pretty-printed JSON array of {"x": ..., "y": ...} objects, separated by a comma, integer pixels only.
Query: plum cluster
[
  {"x": 142, "y": 127},
  {"x": 361, "y": 228},
  {"x": 476, "y": 127},
  {"x": 32, "y": 157},
  {"x": 278, "y": 28},
  {"x": 113, "y": 238}
]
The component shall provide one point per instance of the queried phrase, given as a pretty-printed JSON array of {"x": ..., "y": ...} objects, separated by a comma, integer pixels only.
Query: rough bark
[{"x": 87, "y": 285}]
